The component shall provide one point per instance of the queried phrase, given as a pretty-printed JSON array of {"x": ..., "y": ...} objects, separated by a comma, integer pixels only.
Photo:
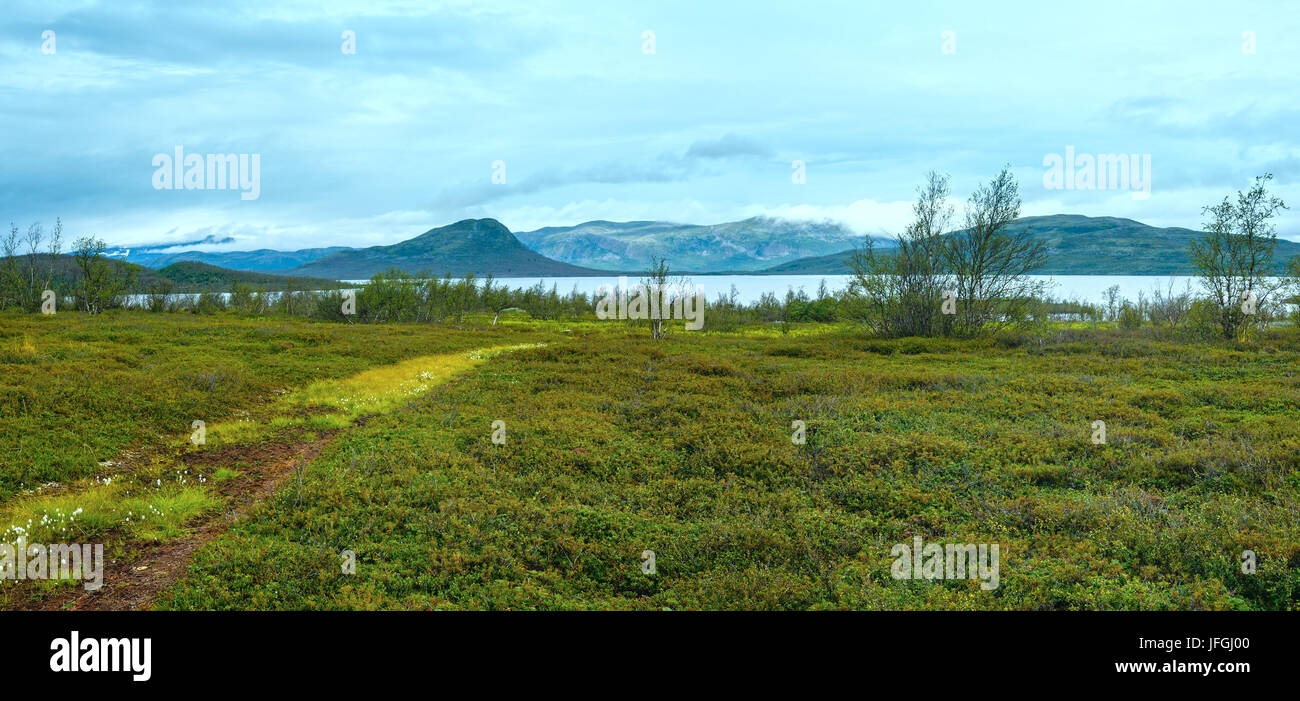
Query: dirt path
[
  {"x": 136, "y": 580},
  {"x": 133, "y": 583}
]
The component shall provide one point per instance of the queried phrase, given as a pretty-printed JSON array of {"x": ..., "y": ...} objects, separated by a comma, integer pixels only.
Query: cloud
[
  {"x": 864, "y": 216},
  {"x": 663, "y": 169},
  {"x": 729, "y": 146},
  {"x": 702, "y": 131},
  {"x": 243, "y": 36}
]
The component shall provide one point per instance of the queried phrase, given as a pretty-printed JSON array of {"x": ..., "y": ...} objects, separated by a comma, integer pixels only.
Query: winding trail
[{"x": 136, "y": 581}]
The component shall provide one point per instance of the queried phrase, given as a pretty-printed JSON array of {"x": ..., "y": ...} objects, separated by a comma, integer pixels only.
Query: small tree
[
  {"x": 1169, "y": 308},
  {"x": 24, "y": 276},
  {"x": 157, "y": 295},
  {"x": 1234, "y": 258},
  {"x": 1112, "y": 302},
  {"x": 988, "y": 264},
  {"x": 902, "y": 290},
  {"x": 11, "y": 280},
  {"x": 101, "y": 279},
  {"x": 656, "y": 282}
]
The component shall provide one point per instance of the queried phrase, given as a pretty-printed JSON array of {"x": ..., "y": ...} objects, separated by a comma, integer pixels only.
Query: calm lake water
[{"x": 1084, "y": 288}]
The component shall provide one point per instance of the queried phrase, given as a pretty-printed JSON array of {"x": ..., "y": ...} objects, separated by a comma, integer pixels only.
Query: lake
[
  {"x": 749, "y": 288},
  {"x": 1085, "y": 288}
]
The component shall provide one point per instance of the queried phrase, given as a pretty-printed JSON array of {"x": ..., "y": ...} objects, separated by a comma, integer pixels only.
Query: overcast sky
[{"x": 401, "y": 136}]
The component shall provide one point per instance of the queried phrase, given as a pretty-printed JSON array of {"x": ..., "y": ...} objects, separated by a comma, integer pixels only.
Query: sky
[{"x": 544, "y": 113}]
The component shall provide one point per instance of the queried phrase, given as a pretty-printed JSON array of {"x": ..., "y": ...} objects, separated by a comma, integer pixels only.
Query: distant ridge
[
  {"x": 189, "y": 277},
  {"x": 741, "y": 246},
  {"x": 479, "y": 246},
  {"x": 1078, "y": 245},
  {"x": 262, "y": 259},
  {"x": 195, "y": 276}
]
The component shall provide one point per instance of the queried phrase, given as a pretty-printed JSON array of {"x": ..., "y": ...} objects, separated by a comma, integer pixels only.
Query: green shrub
[{"x": 1130, "y": 317}]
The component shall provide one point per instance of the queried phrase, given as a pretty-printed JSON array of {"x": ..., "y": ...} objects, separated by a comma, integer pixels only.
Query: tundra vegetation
[{"x": 972, "y": 427}]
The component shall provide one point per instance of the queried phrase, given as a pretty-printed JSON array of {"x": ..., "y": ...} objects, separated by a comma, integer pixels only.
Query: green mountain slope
[
  {"x": 1079, "y": 245},
  {"x": 195, "y": 276},
  {"x": 833, "y": 264},
  {"x": 182, "y": 277},
  {"x": 479, "y": 246}
]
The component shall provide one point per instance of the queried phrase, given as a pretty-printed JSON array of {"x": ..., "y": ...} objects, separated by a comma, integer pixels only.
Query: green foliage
[
  {"x": 1234, "y": 258},
  {"x": 194, "y": 276},
  {"x": 209, "y": 303},
  {"x": 818, "y": 310},
  {"x": 101, "y": 284},
  {"x": 619, "y": 444},
  {"x": 965, "y": 282},
  {"x": 246, "y": 300},
  {"x": 1130, "y": 317},
  {"x": 77, "y": 390}
]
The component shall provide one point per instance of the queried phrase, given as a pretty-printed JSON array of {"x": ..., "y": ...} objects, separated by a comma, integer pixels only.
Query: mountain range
[
  {"x": 479, "y": 246},
  {"x": 743, "y": 246},
  {"x": 1079, "y": 245},
  {"x": 263, "y": 259},
  {"x": 1076, "y": 245},
  {"x": 163, "y": 254}
]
